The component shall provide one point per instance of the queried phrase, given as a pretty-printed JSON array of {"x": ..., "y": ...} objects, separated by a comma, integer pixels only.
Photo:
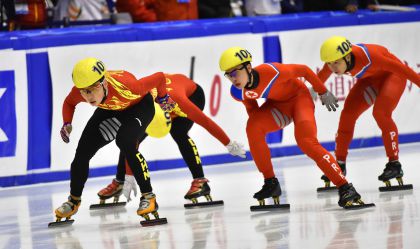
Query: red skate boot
[
  {"x": 200, "y": 187},
  {"x": 112, "y": 190}
]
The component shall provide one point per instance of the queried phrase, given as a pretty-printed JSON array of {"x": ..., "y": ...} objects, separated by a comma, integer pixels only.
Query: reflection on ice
[{"x": 314, "y": 219}]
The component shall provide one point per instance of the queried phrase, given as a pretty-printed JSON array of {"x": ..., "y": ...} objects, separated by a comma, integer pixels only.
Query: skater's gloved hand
[
  {"x": 130, "y": 184},
  {"x": 166, "y": 103},
  {"x": 329, "y": 100},
  {"x": 236, "y": 149},
  {"x": 65, "y": 132}
]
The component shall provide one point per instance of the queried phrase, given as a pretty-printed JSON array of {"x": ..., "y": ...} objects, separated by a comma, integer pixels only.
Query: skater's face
[
  {"x": 239, "y": 75},
  {"x": 339, "y": 66},
  {"x": 95, "y": 93}
]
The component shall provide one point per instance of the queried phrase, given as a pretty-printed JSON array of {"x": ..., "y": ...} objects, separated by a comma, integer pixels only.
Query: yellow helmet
[
  {"x": 233, "y": 57},
  {"x": 87, "y": 72},
  {"x": 335, "y": 48},
  {"x": 161, "y": 123}
]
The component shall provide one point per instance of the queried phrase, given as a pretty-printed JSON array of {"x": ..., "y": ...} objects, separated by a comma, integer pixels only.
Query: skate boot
[
  {"x": 350, "y": 199},
  {"x": 65, "y": 211},
  {"x": 112, "y": 190},
  {"x": 200, "y": 187},
  {"x": 149, "y": 205},
  {"x": 327, "y": 181},
  {"x": 271, "y": 188},
  {"x": 393, "y": 170}
]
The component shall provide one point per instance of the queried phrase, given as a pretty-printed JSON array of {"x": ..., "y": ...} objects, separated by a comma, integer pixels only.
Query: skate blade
[
  {"x": 63, "y": 223},
  {"x": 359, "y": 206},
  {"x": 274, "y": 207},
  {"x": 326, "y": 189},
  {"x": 204, "y": 204},
  {"x": 107, "y": 205},
  {"x": 153, "y": 222},
  {"x": 396, "y": 188}
]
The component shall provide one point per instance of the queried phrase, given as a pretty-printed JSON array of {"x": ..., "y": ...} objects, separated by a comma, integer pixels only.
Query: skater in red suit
[
  {"x": 191, "y": 100},
  {"x": 381, "y": 80},
  {"x": 287, "y": 100}
]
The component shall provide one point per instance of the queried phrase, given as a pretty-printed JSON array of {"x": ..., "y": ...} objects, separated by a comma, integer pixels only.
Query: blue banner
[{"x": 7, "y": 114}]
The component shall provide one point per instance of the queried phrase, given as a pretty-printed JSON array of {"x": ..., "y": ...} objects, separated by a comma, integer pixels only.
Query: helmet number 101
[{"x": 243, "y": 54}]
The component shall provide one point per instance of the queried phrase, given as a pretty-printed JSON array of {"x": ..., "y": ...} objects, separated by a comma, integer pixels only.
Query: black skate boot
[
  {"x": 200, "y": 187},
  {"x": 393, "y": 170},
  {"x": 114, "y": 189},
  {"x": 327, "y": 181},
  {"x": 271, "y": 188},
  {"x": 350, "y": 199}
]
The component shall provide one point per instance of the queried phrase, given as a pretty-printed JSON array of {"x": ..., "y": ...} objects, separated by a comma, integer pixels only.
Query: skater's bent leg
[
  {"x": 90, "y": 142},
  {"x": 132, "y": 131},
  {"x": 358, "y": 101},
  {"x": 136, "y": 161},
  {"x": 187, "y": 147},
  {"x": 387, "y": 101},
  {"x": 259, "y": 124},
  {"x": 305, "y": 133},
  {"x": 121, "y": 168}
]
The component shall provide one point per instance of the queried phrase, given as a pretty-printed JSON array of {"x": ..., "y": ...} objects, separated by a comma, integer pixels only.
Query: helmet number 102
[
  {"x": 99, "y": 67},
  {"x": 243, "y": 54},
  {"x": 344, "y": 47}
]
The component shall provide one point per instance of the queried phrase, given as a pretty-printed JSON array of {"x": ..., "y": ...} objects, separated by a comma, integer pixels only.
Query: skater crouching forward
[
  {"x": 125, "y": 108},
  {"x": 190, "y": 98},
  {"x": 381, "y": 80},
  {"x": 287, "y": 100}
]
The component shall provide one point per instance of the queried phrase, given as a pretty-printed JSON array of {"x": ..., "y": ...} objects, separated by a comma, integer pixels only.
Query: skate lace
[
  {"x": 198, "y": 183},
  {"x": 66, "y": 207},
  {"x": 266, "y": 187},
  {"x": 144, "y": 203}
]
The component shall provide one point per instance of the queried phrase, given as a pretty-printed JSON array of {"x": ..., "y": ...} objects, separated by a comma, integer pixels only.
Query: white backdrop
[
  {"x": 303, "y": 46},
  {"x": 141, "y": 59},
  {"x": 16, "y": 61}
]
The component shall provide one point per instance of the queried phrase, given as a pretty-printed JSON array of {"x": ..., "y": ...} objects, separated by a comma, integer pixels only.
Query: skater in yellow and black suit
[{"x": 125, "y": 108}]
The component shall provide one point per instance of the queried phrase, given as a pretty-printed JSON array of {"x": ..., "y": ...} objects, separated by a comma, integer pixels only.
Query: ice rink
[{"x": 314, "y": 220}]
